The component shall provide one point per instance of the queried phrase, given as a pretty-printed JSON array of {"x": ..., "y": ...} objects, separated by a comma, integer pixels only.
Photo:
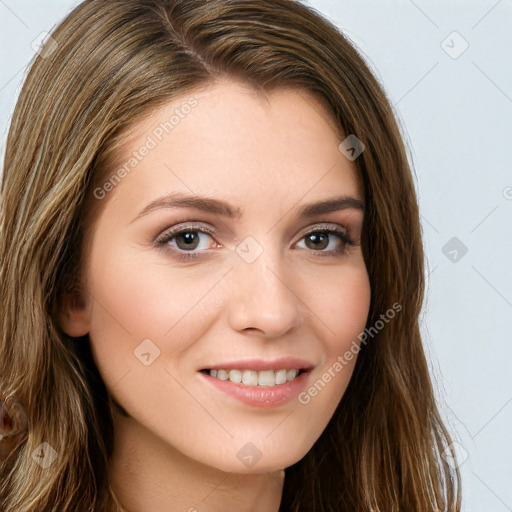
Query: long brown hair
[{"x": 107, "y": 65}]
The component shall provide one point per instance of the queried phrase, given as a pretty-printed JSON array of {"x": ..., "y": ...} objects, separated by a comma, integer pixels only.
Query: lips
[
  {"x": 258, "y": 382},
  {"x": 259, "y": 396},
  {"x": 254, "y": 378},
  {"x": 259, "y": 372},
  {"x": 287, "y": 363}
]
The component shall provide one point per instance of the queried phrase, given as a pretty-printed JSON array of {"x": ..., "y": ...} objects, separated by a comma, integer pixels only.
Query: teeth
[
  {"x": 291, "y": 374},
  {"x": 254, "y": 378},
  {"x": 222, "y": 375},
  {"x": 281, "y": 377},
  {"x": 266, "y": 378},
  {"x": 250, "y": 378},
  {"x": 235, "y": 376}
]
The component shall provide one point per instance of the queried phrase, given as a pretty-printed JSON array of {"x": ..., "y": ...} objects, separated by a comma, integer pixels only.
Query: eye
[
  {"x": 322, "y": 238},
  {"x": 184, "y": 240}
]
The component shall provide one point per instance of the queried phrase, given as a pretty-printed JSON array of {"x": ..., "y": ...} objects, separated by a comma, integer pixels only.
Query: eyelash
[{"x": 163, "y": 239}]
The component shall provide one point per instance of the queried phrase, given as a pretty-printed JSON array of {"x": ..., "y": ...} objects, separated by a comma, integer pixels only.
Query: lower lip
[{"x": 260, "y": 396}]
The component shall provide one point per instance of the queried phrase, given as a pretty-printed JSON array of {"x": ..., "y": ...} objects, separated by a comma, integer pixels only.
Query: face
[{"x": 182, "y": 293}]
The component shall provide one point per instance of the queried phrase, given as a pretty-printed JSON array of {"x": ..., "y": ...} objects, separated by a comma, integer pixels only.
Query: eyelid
[
  {"x": 185, "y": 226},
  {"x": 192, "y": 225},
  {"x": 324, "y": 226},
  {"x": 341, "y": 232}
]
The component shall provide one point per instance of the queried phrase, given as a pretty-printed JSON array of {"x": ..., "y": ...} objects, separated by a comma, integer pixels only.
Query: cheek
[
  {"x": 141, "y": 296},
  {"x": 343, "y": 304},
  {"x": 134, "y": 301}
]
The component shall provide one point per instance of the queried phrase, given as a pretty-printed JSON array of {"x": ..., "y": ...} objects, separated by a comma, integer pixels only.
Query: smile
[{"x": 265, "y": 378}]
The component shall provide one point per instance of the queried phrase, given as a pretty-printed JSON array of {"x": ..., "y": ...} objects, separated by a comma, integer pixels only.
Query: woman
[{"x": 278, "y": 366}]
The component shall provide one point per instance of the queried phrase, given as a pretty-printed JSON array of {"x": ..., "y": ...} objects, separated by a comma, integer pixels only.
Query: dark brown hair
[{"x": 109, "y": 64}]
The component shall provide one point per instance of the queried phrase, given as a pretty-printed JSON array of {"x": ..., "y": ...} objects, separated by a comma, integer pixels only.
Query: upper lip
[{"x": 285, "y": 363}]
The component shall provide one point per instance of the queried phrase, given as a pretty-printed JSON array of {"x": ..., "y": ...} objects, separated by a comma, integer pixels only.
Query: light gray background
[{"x": 456, "y": 111}]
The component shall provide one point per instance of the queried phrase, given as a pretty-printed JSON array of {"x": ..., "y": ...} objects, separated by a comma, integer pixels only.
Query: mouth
[
  {"x": 263, "y": 383},
  {"x": 255, "y": 378},
  {"x": 258, "y": 382}
]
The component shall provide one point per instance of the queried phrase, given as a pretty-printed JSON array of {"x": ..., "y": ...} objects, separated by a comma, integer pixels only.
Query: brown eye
[
  {"x": 319, "y": 240},
  {"x": 187, "y": 240}
]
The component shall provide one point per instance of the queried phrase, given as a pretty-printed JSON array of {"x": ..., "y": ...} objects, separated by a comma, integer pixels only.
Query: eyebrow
[{"x": 219, "y": 207}]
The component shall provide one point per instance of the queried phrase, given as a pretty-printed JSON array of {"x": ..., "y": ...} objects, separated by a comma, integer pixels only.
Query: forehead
[{"x": 235, "y": 142}]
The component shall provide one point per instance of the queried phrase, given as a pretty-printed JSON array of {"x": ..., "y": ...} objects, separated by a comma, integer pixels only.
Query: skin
[{"x": 267, "y": 155}]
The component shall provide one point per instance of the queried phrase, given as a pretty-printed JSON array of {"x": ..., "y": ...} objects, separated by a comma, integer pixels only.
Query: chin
[{"x": 250, "y": 460}]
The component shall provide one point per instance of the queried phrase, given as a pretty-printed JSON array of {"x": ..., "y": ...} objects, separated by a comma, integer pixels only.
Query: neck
[{"x": 148, "y": 475}]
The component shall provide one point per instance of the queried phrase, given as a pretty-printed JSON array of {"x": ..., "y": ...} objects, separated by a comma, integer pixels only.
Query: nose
[{"x": 263, "y": 298}]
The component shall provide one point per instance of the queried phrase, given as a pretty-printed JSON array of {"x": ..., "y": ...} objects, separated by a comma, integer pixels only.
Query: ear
[{"x": 74, "y": 310}]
